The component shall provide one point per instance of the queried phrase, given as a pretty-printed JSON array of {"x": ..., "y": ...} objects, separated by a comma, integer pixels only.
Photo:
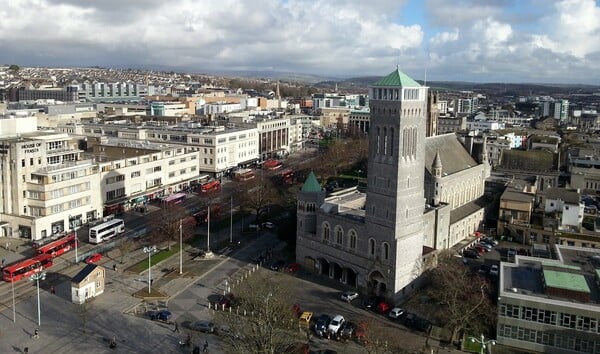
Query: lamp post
[
  {"x": 208, "y": 253},
  {"x": 37, "y": 277},
  {"x": 180, "y": 246},
  {"x": 149, "y": 250},
  {"x": 483, "y": 343},
  {"x": 12, "y": 283},
  {"x": 231, "y": 219},
  {"x": 72, "y": 227}
]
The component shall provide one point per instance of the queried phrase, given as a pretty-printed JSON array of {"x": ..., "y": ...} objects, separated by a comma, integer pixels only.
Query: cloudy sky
[{"x": 471, "y": 40}]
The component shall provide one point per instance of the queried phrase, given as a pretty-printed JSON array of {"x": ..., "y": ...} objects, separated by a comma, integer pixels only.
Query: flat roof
[{"x": 564, "y": 280}]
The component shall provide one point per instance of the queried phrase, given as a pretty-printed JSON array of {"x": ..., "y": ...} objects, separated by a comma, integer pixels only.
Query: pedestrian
[
  {"x": 176, "y": 329},
  {"x": 205, "y": 348},
  {"x": 115, "y": 267},
  {"x": 26, "y": 350},
  {"x": 3, "y": 260},
  {"x": 52, "y": 290},
  {"x": 36, "y": 334},
  {"x": 151, "y": 281},
  {"x": 17, "y": 248}
]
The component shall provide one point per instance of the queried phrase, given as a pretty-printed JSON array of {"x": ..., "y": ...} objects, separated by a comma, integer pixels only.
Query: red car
[
  {"x": 383, "y": 307},
  {"x": 94, "y": 258},
  {"x": 292, "y": 268}
]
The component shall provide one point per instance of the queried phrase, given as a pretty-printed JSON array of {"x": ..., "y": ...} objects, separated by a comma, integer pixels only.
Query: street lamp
[
  {"x": 483, "y": 343},
  {"x": 180, "y": 246},
  {"x": 149, "y": 250},
  {"x": 12, "y": 283},
  {"x": 72, "y": 227},
  {"x": 231, "y": 219},
  {"x": 37, "y": 277}
]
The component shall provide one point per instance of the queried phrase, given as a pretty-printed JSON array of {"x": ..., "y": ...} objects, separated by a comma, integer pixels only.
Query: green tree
[{"x": 14, "y": 67}]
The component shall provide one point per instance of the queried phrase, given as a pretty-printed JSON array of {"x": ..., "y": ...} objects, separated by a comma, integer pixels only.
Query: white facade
[
  {"x": 484, "y": 125},
  {"x": 218, "y": 108},
  {"x": 47, "y": 187}
]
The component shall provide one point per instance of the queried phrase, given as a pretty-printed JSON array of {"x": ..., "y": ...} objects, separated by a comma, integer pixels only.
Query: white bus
[{"x": 106, "y": 231}]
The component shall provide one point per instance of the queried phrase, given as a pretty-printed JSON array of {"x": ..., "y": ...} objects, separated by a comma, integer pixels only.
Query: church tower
[
  {"x": 395, "y": 189},
  {"x": 436, "y": 171},
  {"x": 310, "y": 198}
]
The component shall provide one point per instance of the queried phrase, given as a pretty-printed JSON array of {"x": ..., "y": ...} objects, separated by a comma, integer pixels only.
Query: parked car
[
  {"x": 321, "y": 324},
  {"x": 470, "y": 254},
  {"x": 259, "y": 259},
  {"x": 383, "y": 307},
  {"x": 396, "y": 313},
  {"x": 94, "y": 258},
  {"x": 417, "y": 323},
  {"x": 349, "y": 295},
  {"x": 489, "y": 241},
  {"x": 277, "y": 265},
  {"x": 227, "y": 301},
  {"x": 371, "y": 303},
  {"x": 487, "y": 247},
  {"x": 347, "y": 330},
  {"x": 335, "y": 324},
  {"x": 292, "y": 268},
  {"x": 494, "y": 270},
  {"x": 202, "y": 326},
  {"x": 511, "y": 252},
  {"x": 268, "y": 225},
  {"x": 480, "y": 250},
  {"x": 161, "y": 315},
  {"x": 483, "y": 269}
]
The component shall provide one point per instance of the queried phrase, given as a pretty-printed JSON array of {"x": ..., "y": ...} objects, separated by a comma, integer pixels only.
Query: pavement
[{"x": 69, "y": 328}]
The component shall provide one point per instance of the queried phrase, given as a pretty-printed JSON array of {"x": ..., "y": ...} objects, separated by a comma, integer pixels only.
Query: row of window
[
  {"x": 550, "y": 339},
  {"x": 567, "y": 320},
  {"x": 69, "y": 205},
  {"x": 353, "y": 241}
]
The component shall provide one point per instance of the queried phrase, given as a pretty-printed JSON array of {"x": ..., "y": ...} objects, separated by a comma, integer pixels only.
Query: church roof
[
  {"x": 451, "y": 152},
  {"x": 311, "y": 185},
  {"x": 397, "y": 78}
]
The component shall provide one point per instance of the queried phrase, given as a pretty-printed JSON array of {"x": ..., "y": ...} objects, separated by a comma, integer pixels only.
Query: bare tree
[
  {"x": 166, "y": 226},
  {"x": 256, "y": 194},
  {"x": 464, "y": 299},
  {"x": 264, "y": 323},
  {"x": 85, "y": 312},
  {"x": 380, "y": 339},
  {"x": 124, "y": 247}
]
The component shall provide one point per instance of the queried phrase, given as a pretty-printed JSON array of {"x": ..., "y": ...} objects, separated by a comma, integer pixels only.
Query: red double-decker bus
[
  {"x": 21, "y": 269},
  {"x": 212, "y": 186},
  {"x": 46, "y": 260},
  {"x": 58, "y": 247}
]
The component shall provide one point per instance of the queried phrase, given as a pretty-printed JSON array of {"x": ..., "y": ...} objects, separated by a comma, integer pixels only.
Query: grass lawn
[
  {"x": 472, "y": 347},
  {"x": 155, "y": 259}
]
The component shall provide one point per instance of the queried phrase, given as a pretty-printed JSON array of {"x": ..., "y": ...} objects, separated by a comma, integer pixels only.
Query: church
[{"x": 424, "y": 194}]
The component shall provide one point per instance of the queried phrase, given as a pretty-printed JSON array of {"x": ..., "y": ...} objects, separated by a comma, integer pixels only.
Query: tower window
[
  {"x": 371, "y": 247},
  {"x": 385, "y": 251}
]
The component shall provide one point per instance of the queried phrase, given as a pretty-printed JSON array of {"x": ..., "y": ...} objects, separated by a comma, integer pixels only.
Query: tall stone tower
[
  {"x": 310, "y": 198},
  {"x": 395, "y": 189}
]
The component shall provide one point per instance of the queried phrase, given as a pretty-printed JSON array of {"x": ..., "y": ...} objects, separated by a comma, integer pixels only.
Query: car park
[
  {"x": 494, "y": 270},
  {"x": 204, "y": 326},
  {"x": 94, "y": 258},
  {"x": 161, "y": 315},
  {"x": 321, "y": 324},
  {"x": 349, "y": 295},
  {"x": 395, "y": 313},
  {"x": 335, "y": 324}
]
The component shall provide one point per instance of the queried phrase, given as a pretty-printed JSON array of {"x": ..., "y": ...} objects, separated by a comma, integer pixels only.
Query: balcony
[{"x": 71, "y": 165}]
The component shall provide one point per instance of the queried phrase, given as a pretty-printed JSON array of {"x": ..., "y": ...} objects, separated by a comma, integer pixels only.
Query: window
[
  {"x": 352, "y": 238},
  {"x": 385, "y": 251},
  {"x": 326, "y": 231},
  {"x": 23, "y": 163},
  {"x": 339, "y": 235},
  {"x": 135, "y": 174},
  {"x": 372, "y": 247}
]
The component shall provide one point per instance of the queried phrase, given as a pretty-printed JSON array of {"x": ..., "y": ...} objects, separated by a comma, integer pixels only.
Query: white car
[
  {"x": 335, "y": 324},
  {"x": 494, "y": 270},
  {"x": 349, "y": 295},
  {"x": 396, "y": 313}
]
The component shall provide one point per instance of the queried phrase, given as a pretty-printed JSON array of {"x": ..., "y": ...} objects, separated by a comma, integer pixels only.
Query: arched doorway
[
  {"x": 351, "y": 277},
  {"x": 377, "y": 285},
  {"x": 337, "y": 272},
  {"x": 324, "y": 267}
]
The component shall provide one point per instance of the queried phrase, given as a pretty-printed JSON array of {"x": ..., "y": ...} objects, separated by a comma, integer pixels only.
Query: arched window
[
  {"x": 326, "y": 232},
  {"x": 339, "y": 235},
  {"x": 392, "y": 142},
  {"x": 385, "y": 141},
  {"x": 352, "y": 240},
  {"x": 377, "y": 142},
  {"x": 372, "y": 247},
  {"x": 385, "y": 251}
]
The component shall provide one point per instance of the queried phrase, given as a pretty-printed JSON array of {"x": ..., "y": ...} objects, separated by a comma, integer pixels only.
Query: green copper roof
[
  {"x": 397, "y": 78},
  {"x": 311, "y": 185},
  {"x": 567, "y": 281}
]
